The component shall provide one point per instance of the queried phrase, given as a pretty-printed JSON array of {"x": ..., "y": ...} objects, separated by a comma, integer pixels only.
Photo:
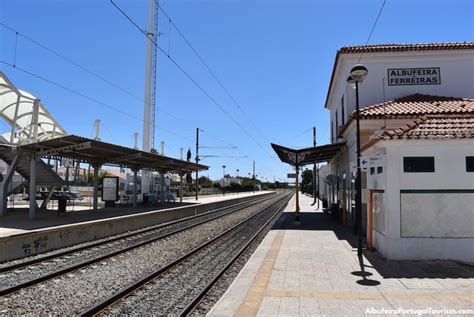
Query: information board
[{"x": 110, "y": 185}]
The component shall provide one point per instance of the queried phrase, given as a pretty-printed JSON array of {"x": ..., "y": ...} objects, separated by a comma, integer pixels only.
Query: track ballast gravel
[
  {"x": 168, "y": 294},
  {"x": 22, "y": 275},
  {"x": 73, "y": 292}
]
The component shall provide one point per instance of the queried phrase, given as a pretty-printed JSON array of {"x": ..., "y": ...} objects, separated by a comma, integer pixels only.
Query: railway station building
[{"x": 417, "y": 143}]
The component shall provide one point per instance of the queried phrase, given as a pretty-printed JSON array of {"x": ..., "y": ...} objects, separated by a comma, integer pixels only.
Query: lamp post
[
  {"x": 237, "y": 173},
  {"x": 358, "y": 74}
]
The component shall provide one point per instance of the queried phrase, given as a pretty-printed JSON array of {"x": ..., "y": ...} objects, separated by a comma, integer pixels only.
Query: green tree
[
  {"x": 307, "y": 181},
  {"x": 205, "y": 182},
  {"x": 102, "y": 174}
]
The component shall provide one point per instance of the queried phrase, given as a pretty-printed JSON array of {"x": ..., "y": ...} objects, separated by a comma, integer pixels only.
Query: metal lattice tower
[{"x": 153, "y": 76}]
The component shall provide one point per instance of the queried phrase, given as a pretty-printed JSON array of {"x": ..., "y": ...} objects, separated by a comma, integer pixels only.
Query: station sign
[
  {"x": 291, "y": 175},
  {"x": 414, "y": 76},
  {"x": 368, "y": 161},
  {"x": 378, "y": 160}
]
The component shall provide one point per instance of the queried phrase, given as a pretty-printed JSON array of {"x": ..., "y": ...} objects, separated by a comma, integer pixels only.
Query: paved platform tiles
[
  {"x": 312, "y": 269},
  {"x": 16, "y": 221}
]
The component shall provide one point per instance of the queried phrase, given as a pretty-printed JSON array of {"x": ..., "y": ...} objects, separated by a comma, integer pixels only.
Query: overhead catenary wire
[
  {"x": 77, "y": 65},
  {"x": 373, "y": 28},
  {"x": 97, "y": 76},
  {"x": 83, "y": 95},
  {"x": 92, "y": 99},
  {"x": 204, "y": 91},
  {"x": 217, "y": 138},
  {"x": 213, "y": 74}
]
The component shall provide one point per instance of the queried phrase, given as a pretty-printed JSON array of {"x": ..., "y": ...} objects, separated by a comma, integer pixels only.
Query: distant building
[
  {"x": 417, "y": 130},
  {"x": 227, "y": 181}
]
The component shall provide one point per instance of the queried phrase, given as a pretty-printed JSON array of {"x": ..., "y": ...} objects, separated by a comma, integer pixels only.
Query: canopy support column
[
  {"x": 95, "y": 198},
  {"x": 297, "y": 211},
  {"x": 135, "y": 180},
  {"x": 32, "y": 192},
  {"x": 4, "y": 182},
  {"x": 181, "y": 188},
  {"x": 162, "y": 187}
]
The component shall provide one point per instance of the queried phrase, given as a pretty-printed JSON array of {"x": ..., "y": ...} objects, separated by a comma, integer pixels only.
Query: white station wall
[{"x": 439, "y": 223}]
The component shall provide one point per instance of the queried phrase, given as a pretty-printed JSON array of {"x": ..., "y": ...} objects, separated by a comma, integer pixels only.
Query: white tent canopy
[{"x": 18, "y": 108}]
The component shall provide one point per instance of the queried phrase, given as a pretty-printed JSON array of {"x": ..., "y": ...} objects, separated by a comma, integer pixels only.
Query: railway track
[
  {"x": 17, "y": 285},
  {"x": 176, "y": 288},
  {"x": 27, "y": 273}
]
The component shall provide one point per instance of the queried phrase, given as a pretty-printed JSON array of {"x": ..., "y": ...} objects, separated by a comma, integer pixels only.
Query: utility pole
[
  {"x": 254, "y": 176},
  {"x": 135, "y": 140},
  {"x": 162, "y": 147},
  {"x": 97, "y": 129},
  {"x": 197, "y": 162},
  {"x": 181, "y": 179}
]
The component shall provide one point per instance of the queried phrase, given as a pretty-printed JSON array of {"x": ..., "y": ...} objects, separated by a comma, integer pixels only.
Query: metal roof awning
[
  {"x": 96, "y": 152},
  {"x": 309, "y": 155}
]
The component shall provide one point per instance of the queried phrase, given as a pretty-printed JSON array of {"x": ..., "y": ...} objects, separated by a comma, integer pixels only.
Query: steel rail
[
  {"x": 196, "y": 300},
  {"x": 126, "y": 291},
  {"x": 122, "y": 236},
  {"x": 75, "y": 267}
]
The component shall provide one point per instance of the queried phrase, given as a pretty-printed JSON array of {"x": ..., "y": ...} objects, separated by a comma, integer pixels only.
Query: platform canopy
[
  {"x": 308, "y": 155},
  {"x": 96, "y": 152},
  {"x": 17, "y": 108}
]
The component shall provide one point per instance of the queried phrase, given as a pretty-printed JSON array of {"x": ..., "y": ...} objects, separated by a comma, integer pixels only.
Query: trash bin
[
  {"x": 325, "y": 203},
  {"x": 62, "y": 204}
]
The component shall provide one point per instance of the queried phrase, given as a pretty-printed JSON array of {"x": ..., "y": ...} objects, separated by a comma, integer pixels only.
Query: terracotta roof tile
[
  {"x": 417, "y": 105},
  {"x": 406, "y": 47},
  {"x": 454, "y": 126}
]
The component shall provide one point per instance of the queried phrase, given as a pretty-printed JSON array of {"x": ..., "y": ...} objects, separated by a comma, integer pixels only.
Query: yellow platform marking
[{"x": 254, "y": 297}]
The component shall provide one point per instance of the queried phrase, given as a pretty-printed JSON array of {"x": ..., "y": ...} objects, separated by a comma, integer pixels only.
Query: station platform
[
  {"x": 311, "y": 268},
  {"x": 16, "y": 221},
  {"x": 20, "y": 236}
]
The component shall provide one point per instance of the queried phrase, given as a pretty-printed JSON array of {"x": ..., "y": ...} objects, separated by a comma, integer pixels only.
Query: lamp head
[
  {"x": 359, "y": 72},
  {"x": 351, "y": 82}
]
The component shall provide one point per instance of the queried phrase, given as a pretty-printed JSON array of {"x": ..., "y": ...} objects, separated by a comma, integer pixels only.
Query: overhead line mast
[{"x": 150, "y": 88}]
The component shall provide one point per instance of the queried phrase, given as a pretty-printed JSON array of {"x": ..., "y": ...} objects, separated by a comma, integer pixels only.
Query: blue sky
[{"x": 275, "y": 58}]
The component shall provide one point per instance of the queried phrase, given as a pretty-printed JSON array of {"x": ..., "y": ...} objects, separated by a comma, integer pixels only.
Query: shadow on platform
[
  {"x": 429, "y": 269},
  {"x": 316, "y": 221}
]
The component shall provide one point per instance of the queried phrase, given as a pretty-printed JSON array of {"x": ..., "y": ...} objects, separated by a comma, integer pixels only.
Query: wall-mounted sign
[
  {"x": 414, "y": 76},
  {"x": 378, "y": 160},
  {"x": 110, "y": 186},
  {"x": 364, "y": 163},
  {"x": 291, "y": 175}
]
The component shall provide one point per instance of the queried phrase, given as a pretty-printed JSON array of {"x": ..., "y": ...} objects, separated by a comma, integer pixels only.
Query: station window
[
  {"x": 372, "y": 170},
  {"x": 419, "y": 164},
  {"x": 379, "y": 170},
  {"x": 469, "y": 163}
]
